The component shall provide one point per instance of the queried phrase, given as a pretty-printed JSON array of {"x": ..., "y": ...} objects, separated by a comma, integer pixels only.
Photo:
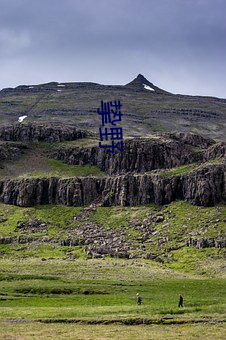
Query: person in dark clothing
[
  {"x": 180, "y": 301},
  {"x": 139, "y": 299}
]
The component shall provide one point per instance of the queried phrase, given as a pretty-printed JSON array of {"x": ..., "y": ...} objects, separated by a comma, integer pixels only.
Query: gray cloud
[{"x": 177, "y": 44}]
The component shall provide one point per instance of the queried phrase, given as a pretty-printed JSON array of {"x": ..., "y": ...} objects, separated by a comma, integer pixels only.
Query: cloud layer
[{"x": 179, "y": 45}]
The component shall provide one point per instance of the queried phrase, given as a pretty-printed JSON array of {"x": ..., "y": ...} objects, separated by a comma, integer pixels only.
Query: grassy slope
[
  {"x": 36, "y": 163},
  {"x": 180, "y": 219},
  {"x": 184, "y": 169},
  {"x": 107, "y": 285}
]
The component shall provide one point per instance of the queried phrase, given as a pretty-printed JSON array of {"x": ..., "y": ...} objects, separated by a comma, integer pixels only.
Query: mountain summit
[{"x": 140, "y": 83}]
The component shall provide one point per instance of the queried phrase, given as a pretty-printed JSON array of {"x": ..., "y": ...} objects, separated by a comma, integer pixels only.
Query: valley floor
[{"x": 96, "y": 299}]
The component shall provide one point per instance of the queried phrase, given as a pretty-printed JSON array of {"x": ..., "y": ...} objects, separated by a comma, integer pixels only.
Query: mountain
[
  {"x": 160, "y": 197},
  {"x": 146, "y": 108},
  {"x": 81, "y": 226}
]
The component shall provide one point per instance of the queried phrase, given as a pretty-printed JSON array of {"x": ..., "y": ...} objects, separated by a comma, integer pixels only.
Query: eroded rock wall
[
  {"x": 205, "y": 186},
  {"x": 138, "y": 156},
  {"x": 36, "y": 132}
]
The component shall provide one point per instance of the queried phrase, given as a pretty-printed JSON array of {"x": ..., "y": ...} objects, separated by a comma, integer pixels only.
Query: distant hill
[{"x": 146, "y": 107}]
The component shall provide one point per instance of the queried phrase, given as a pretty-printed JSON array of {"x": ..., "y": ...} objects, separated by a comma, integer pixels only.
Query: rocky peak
[
  {"x": 140, "y": 83},
  {"x": 142, "y": 79}
]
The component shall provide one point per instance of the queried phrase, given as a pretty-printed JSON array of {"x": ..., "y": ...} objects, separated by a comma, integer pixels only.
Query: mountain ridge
[
  {"x": 146, "y": 108},
  {"x": 136, "y": 84}
]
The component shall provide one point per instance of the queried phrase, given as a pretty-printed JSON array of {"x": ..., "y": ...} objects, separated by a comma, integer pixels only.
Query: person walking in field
[
  {"x": 180, "y": 301},
  {"x": 139, "y": 299}
]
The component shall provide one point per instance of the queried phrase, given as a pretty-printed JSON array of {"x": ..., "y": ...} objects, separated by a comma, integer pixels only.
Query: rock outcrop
[
  {"x": 215, "y": 151},
  {"x": 98, "y": 241},
  {"x": 218, "y": 242},
  {"x": 205, "y": 186},
  {"x": 37, "y": 132},
  {"x": 191, "y": 139},
  {"x": 139, "y": 155},
  {"x": 11, "y": 151}
]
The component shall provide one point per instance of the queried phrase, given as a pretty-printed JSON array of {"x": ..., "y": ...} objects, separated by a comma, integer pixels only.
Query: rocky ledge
[
  {"x": 134, "y": 176},
  {"x": 37, "y": 132},
  {"x": 204, "y": 186},
  {"x": 142, "y": 155},
  {"x": 139, "y": 155},
  {"x": 11, "y": 150}
]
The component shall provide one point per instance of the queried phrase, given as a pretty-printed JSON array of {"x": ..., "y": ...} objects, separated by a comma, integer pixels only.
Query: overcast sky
[{"x": 179, "y": 45}]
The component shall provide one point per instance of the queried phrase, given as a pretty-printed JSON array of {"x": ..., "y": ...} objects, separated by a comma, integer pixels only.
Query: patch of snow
[
  {"x": 59, "y": 90},
  {"x": 61, "y": 85},
  {"x": 21, "y": 118},
  {"x": 148, "y": 87},
  {"x": 31, "y": 87}
]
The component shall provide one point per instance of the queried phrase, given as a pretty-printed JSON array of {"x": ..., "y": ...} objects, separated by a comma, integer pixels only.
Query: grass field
[
  {"x": 96, "y": 299},
  {"x": 31, "y": 330}
]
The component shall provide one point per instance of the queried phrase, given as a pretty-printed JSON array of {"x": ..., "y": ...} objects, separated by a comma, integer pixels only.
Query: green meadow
[
  {"x": 46, "y": 297},
  {"x": 50, "y": 291}
]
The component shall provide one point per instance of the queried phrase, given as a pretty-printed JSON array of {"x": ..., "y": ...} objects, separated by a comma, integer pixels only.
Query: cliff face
[
  {"x": 191, "y": 139},
  {"x": 138, "y": 156},
  {"x": 205, "y": 187},
  {"x": 34, "y": 133},
  {"x": 132, "y": 179},
  {"x": 215, "y": 151}
]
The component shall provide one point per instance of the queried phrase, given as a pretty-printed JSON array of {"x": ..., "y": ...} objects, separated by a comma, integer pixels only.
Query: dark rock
[
  {"x": 151, "y": 256},
  {"x": 138, "y": 83},
  {"x": 6, "y": 240},
  {"x": 37, "y": 132},
  {"x": 138, "y": 156},
  {"x": 70, "y": 242},
  {"x": 191, "y": 139},
  {"x": 174, "y": 248},
  {"x": 215, "y": 151},
  {"x": 207, "y": 242},
  {"x": 204, "y": 186},
  {"x": 32, "y": 225},
  {"x": 159, "y": 218},
  {"x": 11, "y": 151}
]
